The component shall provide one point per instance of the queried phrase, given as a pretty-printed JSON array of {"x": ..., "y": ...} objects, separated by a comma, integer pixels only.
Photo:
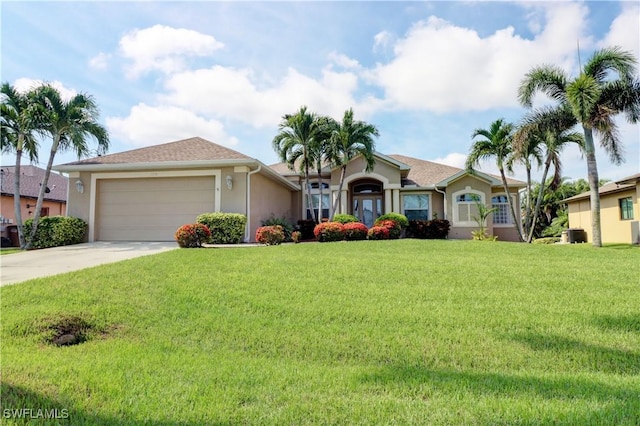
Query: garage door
[{"x": 150, "y": 209}]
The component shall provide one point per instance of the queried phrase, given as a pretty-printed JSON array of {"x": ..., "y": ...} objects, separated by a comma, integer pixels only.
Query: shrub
[
  {"x": 226, "y": 228},
  {"x": 287, "y": 226},
  {"x": 481, "y": 235},
  {"x": 306, "y": 228},
  {"x": 344, "y": 218},
  {"x": 329, "y": 231},
  {"x": 55, "y": 231},
  {"x": 547, "y": 240},
  {"x": 295, "y": 236},
  {"x": 192, "y": 235},
  {"x": 395, "y": 230},
  {"x": 400, "y": 219},
  {"x": 355, "y": 231},
  {"x": 378, "y": 233},
  {"x": 428, "y": 229},
  {"x": 271, "y": 235}
]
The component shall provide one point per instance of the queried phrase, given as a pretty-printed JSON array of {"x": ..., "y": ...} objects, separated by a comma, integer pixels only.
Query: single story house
[
  {"x": 619, "y": 211},
  {"x": 31, "y": 177},
  {"x": 146, "y": 194}
]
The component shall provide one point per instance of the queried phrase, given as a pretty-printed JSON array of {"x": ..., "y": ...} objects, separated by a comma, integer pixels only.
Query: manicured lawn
[{"x": 387, "y": 332}]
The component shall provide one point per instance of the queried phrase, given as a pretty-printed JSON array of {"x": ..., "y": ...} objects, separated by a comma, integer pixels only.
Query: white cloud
[
  {"x": 232, "y": 93},
  {"x": 624, "y": 29},
  {"x": 148, "y": 125},
  {"x": 343, "y": 60},
  {"x": 455, "y": 159},
  {"x": 26, "y": 84},
  {"x": 100, "y": 61},
  {"x": 441, "y": 67},
  {"x": 164, "y": 48},
  {"x": 382, "y": 40}
]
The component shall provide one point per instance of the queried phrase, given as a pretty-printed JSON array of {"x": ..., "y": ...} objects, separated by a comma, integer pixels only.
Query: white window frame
[
  {"x": 456, "y": 207},
  {"x": 509, "y": 222},
  {"x": 411, "y": 194}
]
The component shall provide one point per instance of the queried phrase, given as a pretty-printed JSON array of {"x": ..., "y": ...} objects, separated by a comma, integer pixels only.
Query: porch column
[
  {"x": 343, "y": 207},
  {"x": 387, "y": 201},
  {"x": 396, "y": 200}
]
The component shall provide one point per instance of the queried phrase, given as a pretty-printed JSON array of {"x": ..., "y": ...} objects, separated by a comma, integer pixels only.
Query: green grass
[
  {"x": 387, "y": 332},
  {"x": 9, "y": 250}
]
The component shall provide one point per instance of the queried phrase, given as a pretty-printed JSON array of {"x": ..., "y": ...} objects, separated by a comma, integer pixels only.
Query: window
[
  {"x": 315, "y": 199},
  {"x": 465, "y": 208},
  {"x": 416, "y": 207},
  {"x": 626, "y": 208},
  {"x": 501, "y": 216}
]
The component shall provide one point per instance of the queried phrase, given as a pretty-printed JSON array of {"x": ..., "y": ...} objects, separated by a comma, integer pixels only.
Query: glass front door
[{"x": 367, "y": 208}]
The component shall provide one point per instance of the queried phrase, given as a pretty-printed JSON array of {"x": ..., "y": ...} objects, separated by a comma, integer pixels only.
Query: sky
[{"x": 426, "y": 74}]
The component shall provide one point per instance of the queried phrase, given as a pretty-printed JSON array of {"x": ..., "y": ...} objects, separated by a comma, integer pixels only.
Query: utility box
[{"x": 576, "y": 235}]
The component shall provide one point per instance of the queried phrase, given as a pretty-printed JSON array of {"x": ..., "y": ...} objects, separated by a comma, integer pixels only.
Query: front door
[{"x": 367, "y": 208}]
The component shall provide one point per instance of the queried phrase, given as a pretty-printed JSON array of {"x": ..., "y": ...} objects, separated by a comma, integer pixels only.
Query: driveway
[{"x": 32, "y": 264}]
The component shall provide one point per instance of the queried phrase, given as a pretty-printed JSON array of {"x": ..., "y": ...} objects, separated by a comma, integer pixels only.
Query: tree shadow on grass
[
  {"x": 618, "y": 323},
  {"x": 585, "y": 356},
  {"x": 618, "y": 405},
  {"x": 23, "y": 406}
]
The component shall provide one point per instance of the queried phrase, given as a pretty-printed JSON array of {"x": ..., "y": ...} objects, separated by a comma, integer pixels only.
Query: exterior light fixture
[
  {"x": 79, "y": 186},
  {"x": 229, "y": 182}
]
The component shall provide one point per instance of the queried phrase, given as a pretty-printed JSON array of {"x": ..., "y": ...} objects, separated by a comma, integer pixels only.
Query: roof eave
[{"x": 163, "y": 165}]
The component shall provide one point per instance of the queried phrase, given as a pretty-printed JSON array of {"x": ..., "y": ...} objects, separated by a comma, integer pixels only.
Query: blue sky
[{"x": 425, "y": 73}]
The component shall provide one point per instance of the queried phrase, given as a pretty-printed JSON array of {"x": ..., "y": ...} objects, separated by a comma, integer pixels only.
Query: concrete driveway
[{"x": 32, "y": 264}]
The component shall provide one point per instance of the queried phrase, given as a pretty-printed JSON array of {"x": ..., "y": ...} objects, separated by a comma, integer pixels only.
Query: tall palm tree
[
  {"x": 69, "y": 123},
  {"x": 496, "y": 143},
  {"x": 19, "y": 126},
  {"x": 293, "y": 144},
  {"x": 349, "y": 139},
  {"x": 594, "y": 97},
  {"x": 550, "y": 129}
]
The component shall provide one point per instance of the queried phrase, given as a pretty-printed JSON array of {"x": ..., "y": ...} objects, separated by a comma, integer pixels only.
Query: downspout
[
  {"x": 444, "y": 204},
  {"x": 247, "y": 237}
]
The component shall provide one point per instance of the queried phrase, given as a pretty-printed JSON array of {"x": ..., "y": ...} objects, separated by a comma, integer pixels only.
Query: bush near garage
[
  {"x": 192, "y": 235},
  {"x": 226, "y": 228},
  {"x": 55, "y": 231},
  {"x": 270, "y": 235}
]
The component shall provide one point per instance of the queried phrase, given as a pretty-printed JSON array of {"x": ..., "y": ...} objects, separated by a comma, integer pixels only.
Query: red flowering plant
[
  {"x": 329, "y": 231},
  {"x": 355, "y": 231},
  {"x": 270, "y": 235},
  {"x": 395, "y": 230},
  {"x": 378, "y": 233},
  {"x": 192, "y": 235}
]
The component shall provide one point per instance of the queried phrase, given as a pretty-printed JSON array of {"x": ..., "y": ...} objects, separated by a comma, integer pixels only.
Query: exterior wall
[
  {"x": 356, "y": 167},
  {"x": 614, "y": 229},
  {"x": 506, "y": 232},
  {"x": 466, "y": 183},
  {"x": 267, "y": 198},
  {"x": 56, "y": 208},
  {"x": 234, "y": 200}
]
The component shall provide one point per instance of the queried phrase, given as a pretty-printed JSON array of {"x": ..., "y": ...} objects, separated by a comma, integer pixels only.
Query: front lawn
[{"x": 371, "y": 332}]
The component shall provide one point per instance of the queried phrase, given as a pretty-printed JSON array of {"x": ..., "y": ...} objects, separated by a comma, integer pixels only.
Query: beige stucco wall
[
  {"x": 357, "y": 167},
  {"x": 614, "y": 229},
  {"x": 233, "y": 200},
  {"x": 268, "y": 198}
]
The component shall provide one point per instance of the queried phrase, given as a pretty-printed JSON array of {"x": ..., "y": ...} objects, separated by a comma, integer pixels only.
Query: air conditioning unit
[{"x": 635, "y": 232}]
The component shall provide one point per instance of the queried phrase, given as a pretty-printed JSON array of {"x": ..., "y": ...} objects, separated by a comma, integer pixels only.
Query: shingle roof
[
  {"x": 30, "y": 179},
  {"x": 192, "y": 149},
  {"x": 609, "y": 188}
]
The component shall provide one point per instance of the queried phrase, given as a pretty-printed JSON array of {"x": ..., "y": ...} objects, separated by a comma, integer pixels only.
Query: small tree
[{"x": 483, "y": 213}]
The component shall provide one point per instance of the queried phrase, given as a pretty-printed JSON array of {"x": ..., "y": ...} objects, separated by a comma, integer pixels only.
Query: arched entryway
[{"x": 367, "y": 202}]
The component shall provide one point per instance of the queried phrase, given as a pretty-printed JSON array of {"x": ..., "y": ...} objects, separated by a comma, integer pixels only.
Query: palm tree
[
  {"x": 529, "y": 154},
  {"x": 293, "y": 144},
  {"x": 548, "y": 128},
  {"x": 496, "y": 144},
  {"x": 594, "y": 97},
  {"x": 350, "y": 139},
  {"x": 19, "y": 125},
  {"x": 69, "y": 123}
]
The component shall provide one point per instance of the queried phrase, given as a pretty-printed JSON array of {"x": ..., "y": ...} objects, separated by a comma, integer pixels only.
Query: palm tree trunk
[
  {"x": 338, "y": 200},
  {"x": 513, "y": 212},
  {"x": 534, "y": 219},
  {"x": 594, "y": 185},
  {"x": 309, "y": 200},
  {"x": 528, "y": 218},
  {"x": 16, "y": 194},
  {"x": 320, "y": 187},
  {"x": 43, "y": 189}
]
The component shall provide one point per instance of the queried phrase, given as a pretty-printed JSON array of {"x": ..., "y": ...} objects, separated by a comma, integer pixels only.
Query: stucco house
[
  {"x": 619, "y": 211},
  {"x": 147, "y": 193},
  {"x": 31, "y": 177}
]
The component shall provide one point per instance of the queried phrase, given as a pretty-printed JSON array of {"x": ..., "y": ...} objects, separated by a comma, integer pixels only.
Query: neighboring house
[
  {"x": 146, "y": 194},
  {"x": 31, "y": 177},
  {"x": 619, "y": 211}
]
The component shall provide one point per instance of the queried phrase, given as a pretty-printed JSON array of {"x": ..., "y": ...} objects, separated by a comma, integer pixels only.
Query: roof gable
[
  {"x": 30, "y": 179},
  {"x": 185, "y": 150}
]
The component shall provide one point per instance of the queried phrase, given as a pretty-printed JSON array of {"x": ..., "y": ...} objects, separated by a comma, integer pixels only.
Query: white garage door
[{"x": 150, "y": 209}]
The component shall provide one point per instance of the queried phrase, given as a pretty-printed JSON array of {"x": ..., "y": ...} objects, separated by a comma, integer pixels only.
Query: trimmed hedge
[
  {"x": 436, "y": 229},
  {"x": 394, "y": 227},
  {"x": 226, "y": 228},
  {"x": 329, "y": 231},
  {"x": 400, "y": 219},
  {"x": 54, "y": 231},
  {"x": 192, "y": 235},
  {"x": 344, "y": 218},
  {"x": 270, "y": 235},
  {"x": 354, "y": 231},
  {"x": 306, "y": 228},
  {"x": 378, "y": 233}
]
